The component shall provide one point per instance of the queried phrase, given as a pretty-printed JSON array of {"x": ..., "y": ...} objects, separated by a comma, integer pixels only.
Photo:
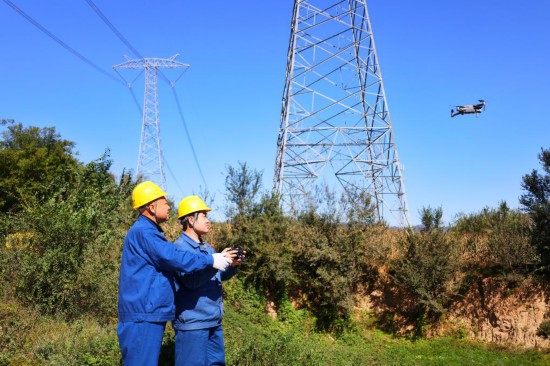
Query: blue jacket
[
  {"x": 199, "y": 302},
  {"x": 146, "y": 282}
]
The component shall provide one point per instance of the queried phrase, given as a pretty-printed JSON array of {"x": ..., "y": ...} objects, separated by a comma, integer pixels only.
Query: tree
[
  {"x": 62, "y": 255},
  {"x": 428, "y": 267},
  {"x": 259, "y": 226},
  {"x": 242, "y": 185},
  {"x": 31, "y": 159},
  {"x": 536, "y": 202},
  {"x": 431, "y": 218},
  {"x": 496, "y": 240}
]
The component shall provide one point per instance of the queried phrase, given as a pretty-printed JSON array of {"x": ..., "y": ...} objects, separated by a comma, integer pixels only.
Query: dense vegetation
[{"x": 62, "y": 225}]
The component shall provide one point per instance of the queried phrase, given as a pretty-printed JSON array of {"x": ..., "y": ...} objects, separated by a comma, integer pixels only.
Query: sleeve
[
  {"x": 165, "y": 256},
  {"x": 198, "y": 278},
  {"x": 230, "y": 272}
]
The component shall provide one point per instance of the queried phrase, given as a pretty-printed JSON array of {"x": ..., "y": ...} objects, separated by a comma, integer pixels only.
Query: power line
[
  {"x": 172, "y": 84},
  {"x": 189, "y": 138},
  {"x": 110, "y": 76},
  {"x": 172, "y": 174},
  {"x": 129, "y": 86},
  {"x": 74, "y": 52},
  {"x": 113, "y": 28},
  {"x": 120, "y": 36},
  {"x": 60, "y": 42}
]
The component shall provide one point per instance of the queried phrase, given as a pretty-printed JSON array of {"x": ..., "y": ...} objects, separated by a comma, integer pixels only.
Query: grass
[
  {"x": 27, "y": 338},
  {"x": 274, "y": 344}
]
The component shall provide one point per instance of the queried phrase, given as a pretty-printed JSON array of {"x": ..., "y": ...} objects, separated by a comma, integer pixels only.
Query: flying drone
[{"x": 469, "y": 108}]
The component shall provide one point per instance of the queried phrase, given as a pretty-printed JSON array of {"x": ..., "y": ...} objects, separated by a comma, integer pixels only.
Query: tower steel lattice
[
  {"x": 334, "y": 111},
  {"x": 150, "y": 161}
]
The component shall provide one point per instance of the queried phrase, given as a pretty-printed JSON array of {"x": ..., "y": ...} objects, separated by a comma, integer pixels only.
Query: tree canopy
[
  {"x": 536, "y": 202},
  {"x": 31, "y": 158}
]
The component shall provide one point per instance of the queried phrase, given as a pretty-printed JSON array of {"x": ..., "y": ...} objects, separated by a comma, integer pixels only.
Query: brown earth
[{"x": 491, "y": 311}]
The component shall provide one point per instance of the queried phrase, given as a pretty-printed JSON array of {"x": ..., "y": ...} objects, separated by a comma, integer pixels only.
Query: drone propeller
[{"x": 484, "y": 102}]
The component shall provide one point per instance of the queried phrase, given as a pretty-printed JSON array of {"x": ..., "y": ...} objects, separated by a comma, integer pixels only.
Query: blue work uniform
[
  {"x": 199, "y": 310},
  {"x": 146, "y": 289}
]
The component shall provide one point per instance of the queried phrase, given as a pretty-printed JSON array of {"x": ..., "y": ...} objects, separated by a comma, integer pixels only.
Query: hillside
[{"x": 329, "y": 276}]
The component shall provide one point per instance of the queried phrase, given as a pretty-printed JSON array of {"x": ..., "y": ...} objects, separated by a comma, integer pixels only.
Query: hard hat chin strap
[
  {"x": 192, "y": 225},
  {"x": 153, "y": 213}
]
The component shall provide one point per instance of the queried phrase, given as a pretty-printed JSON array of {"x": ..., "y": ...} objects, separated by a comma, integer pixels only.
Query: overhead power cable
[
  {"x": 120, "y": 36},
  {"x": 121, "y": 81},
  {"x": 124, "y": 40},
  {"x": 189, "y": 138},
  {"x": 113, "y": 28},
  {"x": 110, "y": 76},
  {"x": 60, "y": 42},
  {"x": 172, "y": 85},
  {"x": 172, "y": 174},
  {"x": 129, "y": 86}
]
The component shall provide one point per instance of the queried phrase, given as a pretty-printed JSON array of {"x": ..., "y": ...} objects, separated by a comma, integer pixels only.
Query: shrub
[
  {"x": 64, "y": 252},
  {"x": 497, "y": 239},
  {"x": 536, "y": 202},
  {"x": 428, "y": 267},
  {"x": 544, "y": 329},
  {"x": 332, "y": 262},
  {"x": 30, "y": 159},
  {"x": 262, "y": 232}
]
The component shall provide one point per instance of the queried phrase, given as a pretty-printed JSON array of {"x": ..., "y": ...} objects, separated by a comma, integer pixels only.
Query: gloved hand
[{"x": 221, "y": 262}]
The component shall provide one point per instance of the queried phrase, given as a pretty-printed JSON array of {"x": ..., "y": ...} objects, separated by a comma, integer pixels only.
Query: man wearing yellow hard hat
[
  {"x": 146, "y": 283},
  {"x": 199, "y": 303}
]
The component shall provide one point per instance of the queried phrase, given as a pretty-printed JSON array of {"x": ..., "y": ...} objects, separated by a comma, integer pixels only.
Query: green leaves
[
  {"x": 427, "y": 268},
  {"x": 536, "y": 202},
  {"x": 32, "y": 158},
  {"x": 243, "y": 186},
  {"x": 63, "y": 256},
  {"x": 315, "y": 258},
  {"x": 496, "y": 240}
]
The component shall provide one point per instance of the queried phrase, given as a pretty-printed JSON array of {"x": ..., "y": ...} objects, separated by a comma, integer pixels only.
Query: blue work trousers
[
  {"x": 200, "y": 347},
  {"x": 140, "y": 342}
]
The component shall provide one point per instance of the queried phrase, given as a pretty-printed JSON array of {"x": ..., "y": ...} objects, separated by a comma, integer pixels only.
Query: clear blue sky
[{"x": 432, "y": 54}]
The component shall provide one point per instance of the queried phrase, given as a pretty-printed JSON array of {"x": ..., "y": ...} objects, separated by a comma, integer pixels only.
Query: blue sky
[{"x": 433, "y": 54}]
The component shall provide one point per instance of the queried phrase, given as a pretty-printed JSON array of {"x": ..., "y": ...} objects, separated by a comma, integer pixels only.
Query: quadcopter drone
[{"x": 469, "y": 109}]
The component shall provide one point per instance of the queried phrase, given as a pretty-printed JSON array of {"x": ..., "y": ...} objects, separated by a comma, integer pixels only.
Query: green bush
[
  {"x": 263, "y": 233},
  {"x": 536, "y": 202},
  {"x": 544, "y": 329},
  {"x": 496, "y": 239},
  {"x": 258, "y": 225},
  {"x": 333, "y": 263},
  {"x": 428, "y": 267},
  {"x": 30, "y": 159},
  {"x": 315, "y": 259},
  {"x": 62, "y": 254}
]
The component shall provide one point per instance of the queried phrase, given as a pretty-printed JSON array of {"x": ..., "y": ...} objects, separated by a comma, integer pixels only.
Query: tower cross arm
[{"x": 141, "y": 63}]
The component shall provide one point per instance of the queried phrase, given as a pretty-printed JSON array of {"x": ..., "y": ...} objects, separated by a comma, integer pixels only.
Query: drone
[{"x": 469, "y": 108}]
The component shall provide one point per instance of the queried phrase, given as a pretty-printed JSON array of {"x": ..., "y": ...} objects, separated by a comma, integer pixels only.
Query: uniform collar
[
  {"x": 190, "y": 240},
  {"x": 152, "y": 222}
]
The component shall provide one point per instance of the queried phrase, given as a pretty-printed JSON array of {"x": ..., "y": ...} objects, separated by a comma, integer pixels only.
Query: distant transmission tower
[
  {"x": 334, "y": 111},
  {"x": 150, "y": 162}
]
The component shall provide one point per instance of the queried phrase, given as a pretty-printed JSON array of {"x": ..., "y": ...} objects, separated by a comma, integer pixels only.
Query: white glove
[{"x": 221, "y": 262}]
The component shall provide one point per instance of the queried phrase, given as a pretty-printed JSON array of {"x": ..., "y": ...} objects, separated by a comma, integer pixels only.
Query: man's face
[
  {"x": 202, "y": 224},
  {"x": 161, "y": 209}
]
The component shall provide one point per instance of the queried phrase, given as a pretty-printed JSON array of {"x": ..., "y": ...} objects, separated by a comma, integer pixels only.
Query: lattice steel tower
[
  {"x": 334, "y": 111},
  {"x": 150, "y": 162}
]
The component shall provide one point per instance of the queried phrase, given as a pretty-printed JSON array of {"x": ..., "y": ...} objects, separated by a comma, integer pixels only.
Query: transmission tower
[
  {"x": 150, "y": 162},
  {"x": 334, "y": 111}
]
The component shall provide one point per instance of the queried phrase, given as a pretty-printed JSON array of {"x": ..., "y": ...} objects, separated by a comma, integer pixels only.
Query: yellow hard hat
[
  {"x": 191, "y": 204},
  {"x": 146, "y": 192}
]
